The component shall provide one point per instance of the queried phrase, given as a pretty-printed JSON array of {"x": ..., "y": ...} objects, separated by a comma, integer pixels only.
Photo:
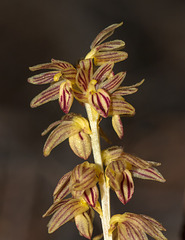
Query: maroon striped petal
[
  {"x": 148, "y": 173},
  {"x": 112, "y": 83},
  {"x": 111, "y": 154},
  {"x": 117, "y": 125},
  {"x": 54, "y": 64},
  {"x": 80, "y": 143},
  {"x": 69, "y": 74},
  {"x": 135, "y": 161},
  {"x": 83, "y": 177},
  {"x": 43, "y": 78},
  {"x": 114, "y": 56},
  {"x": 65, "y": 96},
  {"x": 82, "y": 80},
  {"x": 62, "y": 188},
  {"x": 120, "y": 180},
  {"x": 59, "y": 134},
  {"x": 55, "y": 206},
  {"x": 112, "y": 45},
  {"x": 100, "y": 101},
  {"x": 119, "y": 106},
  {"x": 87, "y": 66},
  {"x": 127, "y": 90},
  {"x": 129, "y": 231},
  {"x": 84, "y": 225},
  {"x": 50, "y": 94},
  {"x": 65, "y": 213},
  {"x": 50, "y": 127},
  {"x": 91, "y": 196},
  {"x": 148, "y": 225},
  {"x": 81, "y": 97},
  {"x": 154, "y": 222},
  {"x": 104, "y": 34},
  {"x": 126, "y": 187},
  {"x": 103, "y": 72}
]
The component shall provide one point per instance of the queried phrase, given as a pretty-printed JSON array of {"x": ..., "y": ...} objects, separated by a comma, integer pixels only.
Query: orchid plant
[{"x": 86, "y": 189}]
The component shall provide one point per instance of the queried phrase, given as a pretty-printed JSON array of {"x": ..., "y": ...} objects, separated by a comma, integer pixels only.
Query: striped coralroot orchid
[
  {"x": 74, "y": 127},
  {"x": 81, "y": 184},
  {"x": 135, "y": 226},
  {"x": 61, "y": 78},
  {"x": 85, "y": 190}
]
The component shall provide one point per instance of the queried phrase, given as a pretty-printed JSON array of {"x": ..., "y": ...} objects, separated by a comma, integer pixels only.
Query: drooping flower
[
  {"x": 81, "y": 184},
  {"x": 135, "y": 226},
  {"x": 121, "y": 167},
  {"x": 72, "y": 126},
  {"x": 60, "y": 79},
  {"x": 108, "y": 51}
]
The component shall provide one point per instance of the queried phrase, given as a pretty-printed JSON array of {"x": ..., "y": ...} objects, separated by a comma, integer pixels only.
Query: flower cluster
[
  {"x": 94, "y": 83},
  {"x": 81, "y": 184}
]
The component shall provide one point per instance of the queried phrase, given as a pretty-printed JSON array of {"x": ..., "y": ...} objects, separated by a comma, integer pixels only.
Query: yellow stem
[{"x": 104, "y": 188}]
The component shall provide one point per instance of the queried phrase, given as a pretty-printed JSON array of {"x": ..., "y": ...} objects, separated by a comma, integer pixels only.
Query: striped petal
[
  {"x": 82, "y": 80},
  {"x": 117, "y": 125},
  {"x": 112, "y": 45},
  {"x": 129, "y": 231},
  {"x": 111, "y": 154},
  {"x": 43, "y": 78},
  {"x": 104, "y": 34},
  {"x": 114, "y": 56},
  {"x": 50, "y": 127},
  {"x": 80, "y": 143},
  {"x": 83, "y": 177},
  {"x": 84, "y": 74},
  {"x": 54, "y": 64},
  {"x": 62, "y": 188},
  {"x": 119, "y": 106},
  {"x": 54, "y": 207},
  {"x": 66, "y": 96},
  {"x": 65, "y": 213},
  {"x": 148, "y": 173},
  {"x": 103, "y": 72},
  {"x": 50, "y": 94},
  {"x": 100, "y": 101},
  {"x": 126, "y": 187},
  {"x": 127, "y": 90},
  {"x": 151, "y": 227},
  {"x": 112, "y": 83},
  {"x": 120, "y": 180},
  {"x": 81, "y": 97},
  {"x": 135, "y": 161},
  {"x": 59, "y": 134},
  {"x": 84, "y": 225},
  {"x": 91, "y": 196}
]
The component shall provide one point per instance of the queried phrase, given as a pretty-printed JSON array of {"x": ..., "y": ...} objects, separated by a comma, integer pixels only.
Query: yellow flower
[
  {"x": 74, "y": 127},
  {"x": 108, "y": 51},
  {"x": 134, "y": 226},
  {"x": 60, "y": 80},
  {"x": 122, "y": 166}
]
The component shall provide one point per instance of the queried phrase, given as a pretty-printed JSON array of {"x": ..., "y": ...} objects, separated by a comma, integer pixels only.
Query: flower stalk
[{"x": 104, "y": 188}]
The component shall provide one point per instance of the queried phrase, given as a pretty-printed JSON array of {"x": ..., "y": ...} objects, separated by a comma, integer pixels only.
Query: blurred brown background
[{"x": 35, "y": 31}]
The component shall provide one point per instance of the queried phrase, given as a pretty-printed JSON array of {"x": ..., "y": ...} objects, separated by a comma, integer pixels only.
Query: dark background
[{"x": 35, "y": 31}]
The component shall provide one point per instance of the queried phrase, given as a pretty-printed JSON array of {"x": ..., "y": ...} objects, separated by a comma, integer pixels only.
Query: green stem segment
[{"x": 93, "y": 117}]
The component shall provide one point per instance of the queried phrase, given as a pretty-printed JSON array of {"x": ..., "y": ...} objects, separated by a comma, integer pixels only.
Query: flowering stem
[{"x": 104, "y": 188}]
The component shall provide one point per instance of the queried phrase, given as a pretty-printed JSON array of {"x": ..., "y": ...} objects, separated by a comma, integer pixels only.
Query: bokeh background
[{"x": 35, "y": 31}]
